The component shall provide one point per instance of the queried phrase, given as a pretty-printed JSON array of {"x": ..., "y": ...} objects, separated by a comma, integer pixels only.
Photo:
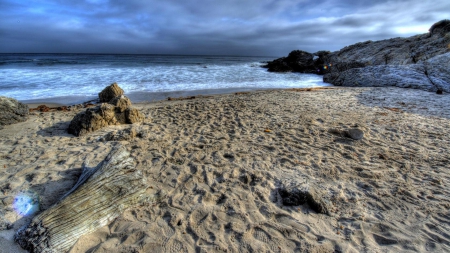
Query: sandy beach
[{"x": 223, "y": 159}]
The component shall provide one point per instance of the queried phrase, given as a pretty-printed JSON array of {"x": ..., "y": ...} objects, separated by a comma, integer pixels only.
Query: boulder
[
  {"x": 103, "y": 115},
  {"x": 12, "y": 111},
  {"x": 297, "y": 61},
  {"x": 117, "y": 111},
  {"x": 121, "y": 103},
  {"x": 110, "y": 92},
  {"x": 132, "y": 115}
]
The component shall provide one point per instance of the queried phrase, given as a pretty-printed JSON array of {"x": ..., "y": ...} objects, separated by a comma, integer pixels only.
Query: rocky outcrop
[
  {"x": 299, "y": 61},
  {"x": 437, "y": 71},
  {"x": 110, "y": 92},
  {"x": 431, "y": 75},
  {"x": 419, "y": 61},
  {"x": 117, "y": 111},
  {"x": 12, "y": 111}
]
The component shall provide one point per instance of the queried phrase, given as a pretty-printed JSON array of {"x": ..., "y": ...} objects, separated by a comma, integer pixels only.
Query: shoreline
[
  {"x": 223, "y": 159},
  {"x": 145, "y": 96}
]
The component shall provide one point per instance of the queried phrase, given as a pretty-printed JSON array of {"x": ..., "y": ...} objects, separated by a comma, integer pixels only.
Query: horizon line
[{"x": 222, "y": 55}]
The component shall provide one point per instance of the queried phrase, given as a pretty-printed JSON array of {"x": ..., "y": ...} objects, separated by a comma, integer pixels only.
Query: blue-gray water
[{"x": 74, "y": 78}]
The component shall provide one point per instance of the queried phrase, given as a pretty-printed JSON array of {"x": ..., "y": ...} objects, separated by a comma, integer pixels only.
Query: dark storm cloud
[{"x": 233, "y": 27}]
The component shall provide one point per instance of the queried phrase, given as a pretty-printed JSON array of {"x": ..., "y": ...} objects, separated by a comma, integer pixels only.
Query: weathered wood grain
[{"x": 100, "y": 195}]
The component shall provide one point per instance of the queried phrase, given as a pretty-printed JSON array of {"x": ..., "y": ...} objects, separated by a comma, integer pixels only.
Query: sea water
[{"x": 75, "y": 78}]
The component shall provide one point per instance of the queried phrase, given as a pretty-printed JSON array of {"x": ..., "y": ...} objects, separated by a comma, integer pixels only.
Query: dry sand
[{"x": 222, "y": 158}]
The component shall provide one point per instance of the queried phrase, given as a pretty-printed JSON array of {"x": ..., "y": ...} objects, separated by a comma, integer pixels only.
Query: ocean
[{"x": 75, "y": 78}]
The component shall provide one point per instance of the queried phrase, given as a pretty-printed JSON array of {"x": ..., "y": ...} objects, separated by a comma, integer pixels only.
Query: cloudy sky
[{"x": 215, "y": 27}]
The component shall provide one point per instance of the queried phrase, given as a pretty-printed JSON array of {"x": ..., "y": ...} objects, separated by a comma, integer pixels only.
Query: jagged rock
[
  {"x": 431, "y": 75},
  {"x": 92, "y": 119},
  {"x": 297, "y": 61},
  {"x": 132, "y": 115},
  {"x": 103, "y": 115},
  {"x": 301, "y": 195},
  {"x": 438, "y": 72},
  {"x": 121, "y": 103},
  {"x": 397, "y": 51},
  {"x": 418, "y": 61},
  {"x": 110, "y": 92},
  {"x": 405, "y": 76},
  {"x": 117, "y": 111},
  {"x": 12, "y": 111}
]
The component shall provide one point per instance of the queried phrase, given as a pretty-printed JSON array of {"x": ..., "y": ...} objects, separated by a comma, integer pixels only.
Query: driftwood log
[{"x": 100, "y": 195}]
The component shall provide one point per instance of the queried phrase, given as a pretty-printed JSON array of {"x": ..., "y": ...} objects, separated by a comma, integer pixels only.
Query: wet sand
[{"x": 223, "y": 160}]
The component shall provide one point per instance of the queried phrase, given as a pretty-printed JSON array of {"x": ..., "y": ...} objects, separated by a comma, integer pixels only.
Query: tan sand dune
[{"x": 223, "y": 159}]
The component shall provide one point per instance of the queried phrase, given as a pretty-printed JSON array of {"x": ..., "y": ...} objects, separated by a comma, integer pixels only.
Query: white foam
[{"x": 87, "y": 80}]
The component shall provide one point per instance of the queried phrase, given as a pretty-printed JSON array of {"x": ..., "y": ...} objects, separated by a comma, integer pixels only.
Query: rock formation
[
  {"x": 117, "y": 111},
  {"x": 12, "y": 111},
  {"x": 110, "y": 92},
  {"x": 419, "y": 61},
  {"x": 299, "y": 61}
]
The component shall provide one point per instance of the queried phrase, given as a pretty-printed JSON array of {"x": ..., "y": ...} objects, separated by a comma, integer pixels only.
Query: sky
[{"x": 208, "y": 27}]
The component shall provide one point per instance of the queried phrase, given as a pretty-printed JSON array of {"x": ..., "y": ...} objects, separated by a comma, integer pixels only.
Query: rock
[
  {"x": 441, "y": 27},
  {"x": 298, "y": 196},
  {"x": 93, "y": 119},
  {"x": 121, "y": 103},
  {"x": 110, "y": 92},
  {"x": 419, "y": 61},
  {"x": 297, "y": 61},
  {"x": 406, "y": 76},
  {"x": 132, "y": 115},
  {"x": 43, "y": 108},
  {"x": 431, "y": 75},
  {"x": 416, "y": 62},
  {"x": 354, "y": 133},
  {"x": 12, "y": 111},
  {"x": 437, "y": 70},
  {"x": 103, "y": 115},
  {"x": 117, "y": 111}
]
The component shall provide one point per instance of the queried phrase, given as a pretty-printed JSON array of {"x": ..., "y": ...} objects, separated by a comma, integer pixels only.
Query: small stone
[{"x": 355, "y": 134}]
